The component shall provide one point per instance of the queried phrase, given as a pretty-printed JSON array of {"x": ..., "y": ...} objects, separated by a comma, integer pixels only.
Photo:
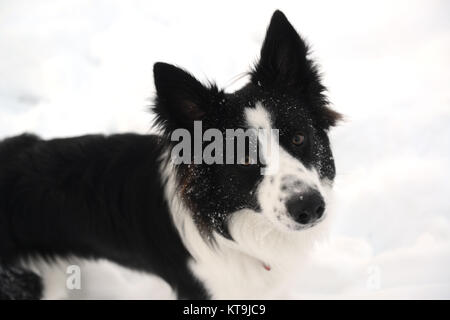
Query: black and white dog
[{"x": 209, "y": 230}]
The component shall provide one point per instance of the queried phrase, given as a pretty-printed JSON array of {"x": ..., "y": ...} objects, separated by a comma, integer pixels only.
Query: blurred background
[{"x": 76, "y": 67}]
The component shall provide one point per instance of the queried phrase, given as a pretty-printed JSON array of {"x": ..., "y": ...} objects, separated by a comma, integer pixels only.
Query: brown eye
[{"x": 298, "y": 139}]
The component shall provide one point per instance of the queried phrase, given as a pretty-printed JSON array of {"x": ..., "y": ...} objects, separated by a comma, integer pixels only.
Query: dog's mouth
[{"x": 301, "y": 227}]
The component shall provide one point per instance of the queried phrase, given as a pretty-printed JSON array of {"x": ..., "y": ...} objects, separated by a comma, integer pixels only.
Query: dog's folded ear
[{"x": 181, "y": 99}]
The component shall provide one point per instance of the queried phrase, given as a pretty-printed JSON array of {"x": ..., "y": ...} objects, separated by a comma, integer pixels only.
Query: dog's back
[
  {"x": 11, "y": 150},
  {"x": 51, "y": 191},
  {"x": 16, "y": 283}
]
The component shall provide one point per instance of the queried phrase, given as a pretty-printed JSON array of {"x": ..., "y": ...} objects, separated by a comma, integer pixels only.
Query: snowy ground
[{"x": 75, "y": 67}]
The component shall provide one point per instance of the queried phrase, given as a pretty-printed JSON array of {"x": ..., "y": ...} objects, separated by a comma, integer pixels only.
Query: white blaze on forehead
[
  {"x": 258, "y": 117},
  {"x": 268, "y": 138}
]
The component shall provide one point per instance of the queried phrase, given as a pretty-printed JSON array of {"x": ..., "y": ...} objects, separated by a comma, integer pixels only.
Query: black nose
[{"x": 306, "y": 207}]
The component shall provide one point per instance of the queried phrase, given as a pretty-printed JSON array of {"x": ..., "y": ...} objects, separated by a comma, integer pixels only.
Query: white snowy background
[{"x": 75, "y": 67}]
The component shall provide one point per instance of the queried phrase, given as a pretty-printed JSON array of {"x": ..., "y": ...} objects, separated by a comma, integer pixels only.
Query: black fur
[{"x": 19, "y": 284}]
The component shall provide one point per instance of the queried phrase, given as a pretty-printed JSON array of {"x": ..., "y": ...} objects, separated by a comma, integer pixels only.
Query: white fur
[{"x": 235, "y": 269}]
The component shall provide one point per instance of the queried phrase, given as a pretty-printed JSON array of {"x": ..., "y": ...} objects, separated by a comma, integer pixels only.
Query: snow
[{"x": 75, "y": 67}]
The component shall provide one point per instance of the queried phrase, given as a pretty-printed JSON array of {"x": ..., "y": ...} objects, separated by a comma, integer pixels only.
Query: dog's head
[{"x": 284, "y": 93}]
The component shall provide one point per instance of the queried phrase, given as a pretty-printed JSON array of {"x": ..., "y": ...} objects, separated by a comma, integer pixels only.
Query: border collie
[{"x": 209, "y": 230}]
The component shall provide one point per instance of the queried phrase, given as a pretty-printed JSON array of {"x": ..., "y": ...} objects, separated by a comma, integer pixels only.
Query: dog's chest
[{"x": 233, "y": 275}]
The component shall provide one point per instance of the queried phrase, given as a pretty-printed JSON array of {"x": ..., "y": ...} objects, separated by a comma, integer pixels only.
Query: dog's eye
[{"x": 298, "y": 139}]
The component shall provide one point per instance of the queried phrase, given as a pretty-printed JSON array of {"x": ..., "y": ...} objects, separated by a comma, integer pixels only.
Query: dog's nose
[{"x": 306, "y": 207}]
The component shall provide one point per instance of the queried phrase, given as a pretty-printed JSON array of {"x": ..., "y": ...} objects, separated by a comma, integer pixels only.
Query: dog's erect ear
[
  {"x": 181, "y": 99},
  {"x": 283, "y": 55},
  {"x": 284, "y": 65}
]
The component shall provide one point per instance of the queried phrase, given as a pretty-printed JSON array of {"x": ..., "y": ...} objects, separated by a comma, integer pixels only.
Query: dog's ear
[
  {"x": 283, "y": 55},
  {"x": 180, "y": 98},
  {"x": 284, "y": 66}
]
